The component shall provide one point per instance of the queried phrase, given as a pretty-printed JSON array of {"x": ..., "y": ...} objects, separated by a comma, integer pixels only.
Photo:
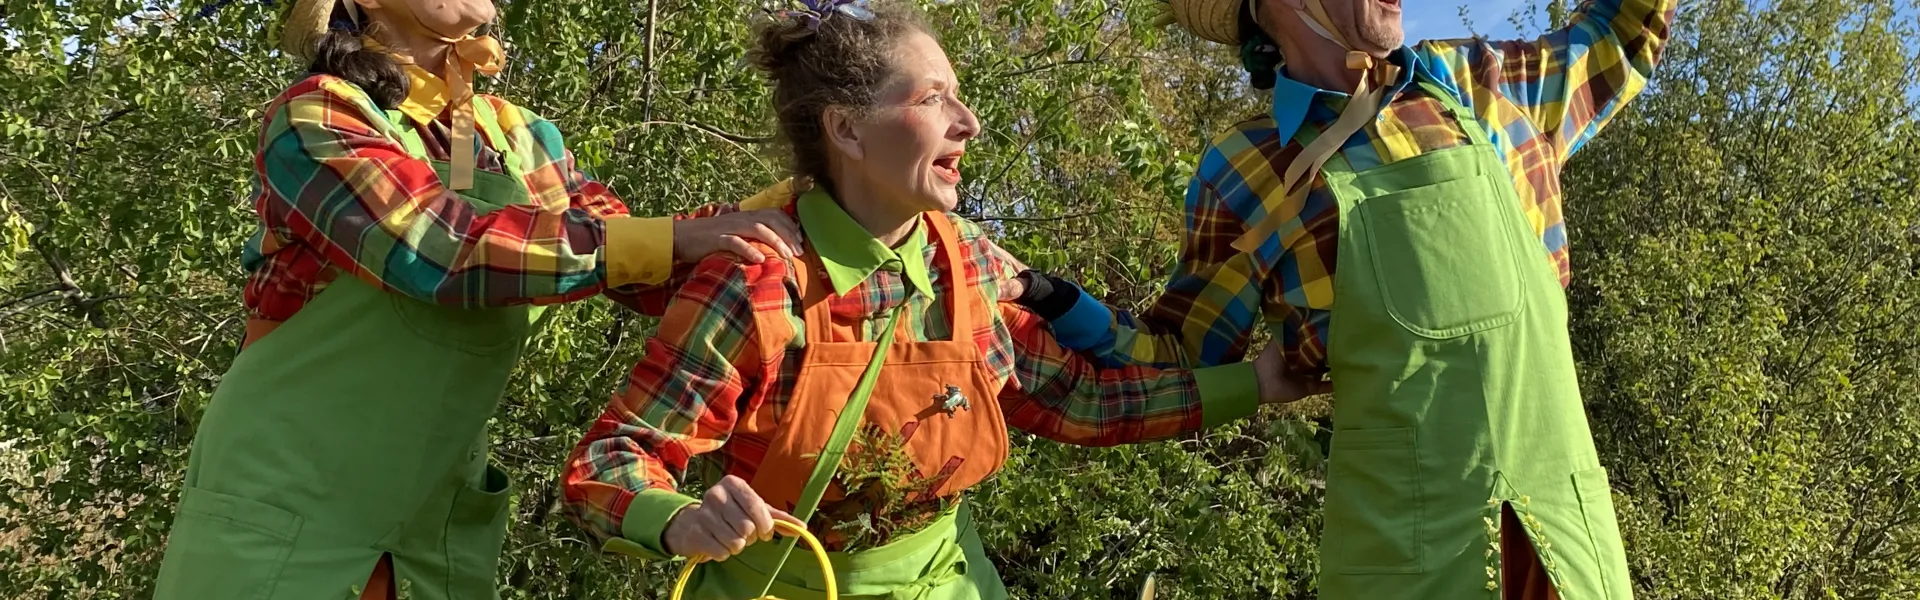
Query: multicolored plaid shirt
[
  {"x": 703, "y": 375},
  {"x": 336, "y": 190},
  {"x": 1540, "y": 101}
]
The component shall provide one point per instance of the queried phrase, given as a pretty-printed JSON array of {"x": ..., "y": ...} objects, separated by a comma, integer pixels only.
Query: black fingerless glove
[{"x": 1046, "y": 295}]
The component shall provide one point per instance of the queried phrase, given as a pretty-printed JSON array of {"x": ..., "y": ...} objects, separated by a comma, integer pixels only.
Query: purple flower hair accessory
[{"x": 815, "y": 11}]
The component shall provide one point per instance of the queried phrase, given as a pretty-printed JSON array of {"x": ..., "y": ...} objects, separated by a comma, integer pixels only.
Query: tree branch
[
  {"x": 653, "y": 24},
  {"x": 731, "y": 137},
  {"x": 29, "y": 302},
  {"x": 1014, "y": 219},
  {"x": 1048, "y": 66},
  {"x": 28, "y": 297}
]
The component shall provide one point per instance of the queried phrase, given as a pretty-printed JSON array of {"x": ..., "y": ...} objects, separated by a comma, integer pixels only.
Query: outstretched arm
[{"x": 1570, "y": 82}]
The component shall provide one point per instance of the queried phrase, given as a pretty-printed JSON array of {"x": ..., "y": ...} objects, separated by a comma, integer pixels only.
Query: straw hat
[
  {"x": 308, "y": 22},
  {"x": 1213, "y": 20}
]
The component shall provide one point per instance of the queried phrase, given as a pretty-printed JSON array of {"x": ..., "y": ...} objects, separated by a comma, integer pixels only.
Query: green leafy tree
[{"x": 1744, "y": 242}]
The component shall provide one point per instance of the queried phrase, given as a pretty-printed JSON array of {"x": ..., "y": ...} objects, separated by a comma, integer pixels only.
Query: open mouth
[
  {"x": 1393, "y": 3},
  {"x": 948, "y": 167}
]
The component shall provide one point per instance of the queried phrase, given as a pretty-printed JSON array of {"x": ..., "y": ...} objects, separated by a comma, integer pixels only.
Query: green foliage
[
  {"x": 1744, "y": 240},
  {"x": 885, "y": 497},
  {"x": 1744, "y": 306}
]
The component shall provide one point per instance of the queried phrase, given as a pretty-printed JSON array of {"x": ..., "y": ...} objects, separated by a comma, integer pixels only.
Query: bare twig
[
  {"x": 732, "y": 139},
  {"x": 29, "y": 304},
  {"x": 1014, "y": 219},
  {"x": 29, "y": 297},
  {"x": 531, "y": 440},
  {"x": 113, "y": 116},
  {"x": 646, "y": 85},
  {"x": 1048, "y": 66}
]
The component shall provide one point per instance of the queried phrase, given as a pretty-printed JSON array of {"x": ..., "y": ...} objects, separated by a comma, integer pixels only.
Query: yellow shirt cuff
[
  {"x": 639, "y": 250},
  {"x": 775, "y": 196}
]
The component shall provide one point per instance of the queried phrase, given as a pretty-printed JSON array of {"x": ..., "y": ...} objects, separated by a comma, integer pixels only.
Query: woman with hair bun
[
  {"x": 863, "y": 388},
  {"x": 410, "y": 231}
]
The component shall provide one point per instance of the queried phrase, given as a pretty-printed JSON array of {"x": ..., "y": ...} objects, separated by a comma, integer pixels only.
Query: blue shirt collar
[{"x": 1292, "y": 99}]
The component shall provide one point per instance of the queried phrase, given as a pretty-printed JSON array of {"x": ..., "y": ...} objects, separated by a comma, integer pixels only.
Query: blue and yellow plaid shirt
[{"x": 1540, "y": 101}]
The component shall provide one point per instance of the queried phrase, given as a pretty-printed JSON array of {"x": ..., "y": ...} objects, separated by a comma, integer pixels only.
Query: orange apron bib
[{"x": 939, "y": 396}]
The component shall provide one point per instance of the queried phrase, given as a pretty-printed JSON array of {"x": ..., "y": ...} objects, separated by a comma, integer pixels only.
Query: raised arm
[{"x": 1570, "y": 82}]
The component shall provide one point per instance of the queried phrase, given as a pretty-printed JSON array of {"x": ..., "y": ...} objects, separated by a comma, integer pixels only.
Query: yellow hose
[{"x": 784, "y": 528}]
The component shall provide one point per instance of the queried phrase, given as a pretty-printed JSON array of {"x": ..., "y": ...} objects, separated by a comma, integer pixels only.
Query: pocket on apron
[
  {"x": 1443, "y": 270},
  {"x": 1603, "y": 527},
  {"x": 1373, "y": 507},
  {"x": 476, "y": 531},
  {"x": 477, "y": 331},
  {"x": 225, "y": 546}
]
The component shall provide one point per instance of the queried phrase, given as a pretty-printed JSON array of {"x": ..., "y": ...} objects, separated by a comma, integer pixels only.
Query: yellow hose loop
[{"x": 787, "y": 529}]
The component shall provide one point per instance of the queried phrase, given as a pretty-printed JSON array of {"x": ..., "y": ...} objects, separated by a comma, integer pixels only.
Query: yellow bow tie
[
  {"x": 467, "y": 55},
  {"x": 1367, "y": 100}
]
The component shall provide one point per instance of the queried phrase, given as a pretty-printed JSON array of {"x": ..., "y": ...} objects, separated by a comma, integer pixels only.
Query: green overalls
[
  {"x": 1454, "y": 390},
  {"x": 356, "y": 428}
]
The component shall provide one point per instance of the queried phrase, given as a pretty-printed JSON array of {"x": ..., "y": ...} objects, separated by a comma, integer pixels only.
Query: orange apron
[{"x": 937, "y": 395}]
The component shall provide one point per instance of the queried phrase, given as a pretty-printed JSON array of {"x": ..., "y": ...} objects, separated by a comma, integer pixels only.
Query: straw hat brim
[
  {"x": 1212, "y": 20},
  {"x": 306, "y": 23}
]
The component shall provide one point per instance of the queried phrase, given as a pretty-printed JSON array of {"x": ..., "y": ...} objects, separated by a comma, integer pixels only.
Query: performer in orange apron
[{"x": 864, "y": 389}]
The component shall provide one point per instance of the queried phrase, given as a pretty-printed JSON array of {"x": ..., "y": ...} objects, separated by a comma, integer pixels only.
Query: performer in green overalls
[
  {"x": 1461, "y": 462},
  {"x": 410, "y": 232}
]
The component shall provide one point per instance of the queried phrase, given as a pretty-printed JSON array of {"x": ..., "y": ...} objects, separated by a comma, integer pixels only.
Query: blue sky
[{"x": 1431, "y": 19}]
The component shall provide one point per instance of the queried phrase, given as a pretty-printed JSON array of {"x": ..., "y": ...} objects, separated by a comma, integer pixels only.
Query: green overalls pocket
[
  {"x": 477, "y": 331},
  {"x": 1443, "y": 275},
  {"x": 245, "y": 542},
  {"x": 491, "y": 191},
  {"x": 1373, "y": 500},
  {"x": 476, "y": 530}
]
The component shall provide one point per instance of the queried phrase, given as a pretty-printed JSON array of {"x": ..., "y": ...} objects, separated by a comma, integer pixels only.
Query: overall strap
[
  {"x": 1468, "y": 122},
  {"x": 816, "y": 297},
  {"x": 844, "y": 426},
  {"x": 962, "y": 300},
  {"x": 409, "y": 134},
  {"x": 489, "y": 121}
]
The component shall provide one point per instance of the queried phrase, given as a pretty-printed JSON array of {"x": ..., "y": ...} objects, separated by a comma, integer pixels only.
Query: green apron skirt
[
  {"x": 1454, "y": 390},
  {"x": 944, "y": 561},
  {"x": 356, "y": 428}
]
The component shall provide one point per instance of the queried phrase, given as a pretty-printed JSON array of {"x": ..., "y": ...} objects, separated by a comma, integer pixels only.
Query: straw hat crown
[
  {"x": 1212, "y": 20},
  {"x": 306, "y": 23}
]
